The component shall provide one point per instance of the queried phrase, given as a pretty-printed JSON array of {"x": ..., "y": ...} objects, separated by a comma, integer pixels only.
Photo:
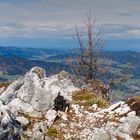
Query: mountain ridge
[{"x": 43, "y": 108}]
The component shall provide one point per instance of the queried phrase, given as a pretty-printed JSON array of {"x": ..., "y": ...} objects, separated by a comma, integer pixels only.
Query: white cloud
[
  {"x": 135, "y": 32},
  {"x": 58, "y": 18},
  {"x": 123, "y": 13}
]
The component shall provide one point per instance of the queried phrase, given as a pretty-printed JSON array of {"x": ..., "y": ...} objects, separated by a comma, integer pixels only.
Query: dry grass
[
  {"x": 4, "y": 84},
  {"x": 52, "y": 132},
  {"x": 137, "y": 98},
  {"x": 87, "y": 99},
  {"x": 25, "y": 136}
]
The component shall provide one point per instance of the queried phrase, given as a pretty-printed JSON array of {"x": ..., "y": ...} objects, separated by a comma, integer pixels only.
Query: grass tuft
[
  {"x": 137, "y": 97},
  {"x": 87, "y": 98},
  {"x": 4, "y": 84},
  {"x": 52, "y": 132}
]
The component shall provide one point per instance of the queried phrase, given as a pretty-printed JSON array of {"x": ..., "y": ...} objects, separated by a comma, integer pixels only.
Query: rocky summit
[{"x": 36, "y": 107}]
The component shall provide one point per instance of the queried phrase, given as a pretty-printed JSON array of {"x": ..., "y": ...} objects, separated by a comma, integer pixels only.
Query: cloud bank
[{"x": 58, "y": 18}]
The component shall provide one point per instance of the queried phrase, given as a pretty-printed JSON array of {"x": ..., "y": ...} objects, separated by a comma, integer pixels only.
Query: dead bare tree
[{"x": 87, "y": 63}]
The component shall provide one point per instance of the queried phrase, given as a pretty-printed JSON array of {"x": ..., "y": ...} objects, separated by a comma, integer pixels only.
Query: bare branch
[{"x": 87, "y": 65}]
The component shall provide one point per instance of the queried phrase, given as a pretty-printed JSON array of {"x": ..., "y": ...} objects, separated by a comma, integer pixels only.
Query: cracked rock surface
[
  {"x": 32, "y": 96},
  {"x": 34, "y": 93},
  {"x": 36, "y": 107}
]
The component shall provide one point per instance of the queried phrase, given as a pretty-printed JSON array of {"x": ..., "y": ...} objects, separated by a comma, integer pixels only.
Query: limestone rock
[
  {"x": 32, "y": 96},
  {"x": 130, "y": 125},
  {"x": 35, "y": 93},
  {"x": 34, "y": 101},
  {"x": 10, "y": 129},
  {"x": 22, "y": 120},
  {"x": 101, "y": 135},
  {"x": 50, "y": 116},
  {"x": 2, "y": 90}
]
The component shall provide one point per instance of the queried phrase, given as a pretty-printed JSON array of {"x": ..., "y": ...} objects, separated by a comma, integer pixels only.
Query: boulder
[
  {"x": 33, "y": 99},
  {"x": 101, "y": 135},
  {"x": 33, "y": 102},
  {"x": 34, "y": 93},
  {"x": 22, "y": 120},
  {"x": 10, "y": 129},
  {"x": 50, "y": 116}
]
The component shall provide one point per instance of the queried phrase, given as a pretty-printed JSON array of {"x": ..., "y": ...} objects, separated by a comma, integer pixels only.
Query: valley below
[
  {"x": 15, "y": 61},
  {"x": 36, "y": 107}
]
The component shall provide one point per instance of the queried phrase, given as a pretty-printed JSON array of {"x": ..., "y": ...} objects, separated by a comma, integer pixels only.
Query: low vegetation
[
  {"x": 25, "y": 136},
  {"x": 87, "y": 98},
  {"x": 137, "y": 98},
  {"x": 52, "y": 132},
  {"x": 4, "y": 84}
]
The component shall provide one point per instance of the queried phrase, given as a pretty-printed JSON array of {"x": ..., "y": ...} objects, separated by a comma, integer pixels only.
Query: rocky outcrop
[
  {"x": 32, "y": 96},
  {"x": 113, "y": 123},
  {"x": 36, "y": 107},
  {"x": 34, "y": 93}
]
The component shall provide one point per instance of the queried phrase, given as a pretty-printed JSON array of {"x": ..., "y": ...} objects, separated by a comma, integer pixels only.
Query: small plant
[
  {"x": 52, "y": 132},
  {"x": 87, "y": 98},
  {"x": 63, "y": 75},
  {"x": 25, "y": 136}
]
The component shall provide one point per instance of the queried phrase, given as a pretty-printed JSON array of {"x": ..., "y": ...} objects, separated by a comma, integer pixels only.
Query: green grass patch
[
  {"x": 52, "y": 132},
  {"x": 87, "y": 99},
  {"x": 25, "y": 136}
]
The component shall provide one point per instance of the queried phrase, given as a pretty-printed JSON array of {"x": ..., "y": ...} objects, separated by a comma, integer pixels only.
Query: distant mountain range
[
  {"x": 16, "y": 61},
  {"x": 17, "y": 65}
]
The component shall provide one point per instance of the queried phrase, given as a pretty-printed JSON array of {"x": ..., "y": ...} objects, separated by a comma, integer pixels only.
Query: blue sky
[{"x": 51, "y": 23}]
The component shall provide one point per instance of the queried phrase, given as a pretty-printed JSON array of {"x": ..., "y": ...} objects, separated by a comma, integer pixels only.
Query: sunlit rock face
[
  {"x": 33, "y": 95},
  {"x": 37, "y": 107}
]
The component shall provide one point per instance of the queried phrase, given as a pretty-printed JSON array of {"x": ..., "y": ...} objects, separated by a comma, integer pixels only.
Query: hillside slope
[
  {"x": 36, "y": 107},
  {"x": 18, "y": 66}
]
